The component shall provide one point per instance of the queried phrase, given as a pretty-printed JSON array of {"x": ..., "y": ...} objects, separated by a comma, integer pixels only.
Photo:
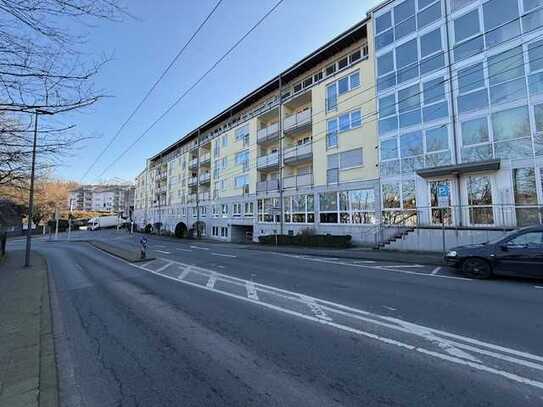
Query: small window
[
  {"x": 355, "y": 56},
  {"x": 342, "y": 63},
  {"x": 317, "y": 77},
  {"x": 297, "y": 87},
  {"x": 308, "y": 82},
  {"x": 330, "y": 69}
]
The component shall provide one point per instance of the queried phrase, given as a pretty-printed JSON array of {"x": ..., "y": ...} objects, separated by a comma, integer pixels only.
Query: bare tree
[{"x": 42, "y": 68}]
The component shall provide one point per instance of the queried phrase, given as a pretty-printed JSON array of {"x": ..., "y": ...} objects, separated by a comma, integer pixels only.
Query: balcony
[
  {"x": 205, "y": 196},
  {"x": 297, "y": 122},
  {"x": 205, "y": 159},
  {"x": 297, "y": 181},
  {"x": 205, "y": 178},
  {"x": 267, "y": 134},
  {"x": 191, "y": 198},
  {"x": 265, "y": 186},
  {"x": 193, "y": 181},
  {"x": 193, "y": 163},
  {"x": 268, "y": 161},
  {"x": 298, "y": 154}
]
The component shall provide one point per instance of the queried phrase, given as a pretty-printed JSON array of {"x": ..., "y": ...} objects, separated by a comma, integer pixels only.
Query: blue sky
[{"x": 142, "y": 47}]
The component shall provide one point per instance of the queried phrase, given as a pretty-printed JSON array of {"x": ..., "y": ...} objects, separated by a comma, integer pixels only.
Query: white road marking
[
  {"x": 223, "y": 255},
  {"x": 404, "y": 266},
  {"x": 538, "y": 286},
  {"x": 315, "y": 308},
  {"x": 251, "y": 291},
  {"x": 364, "y": 261},
  {"x": 211, "y": 281},
  {"x": 184, "y": 273},
  {"x": 446, "y": 338},
  {"x": 198, "y": 247},
  {"x": 389, "y": 308},
  {"x": 162, "y": 251},
  {"x": 436, "y": 270},
  {"x": 183, "y": 250},
  {"x": 164, "y": 267},
  {"x": 220, "y": 266}
]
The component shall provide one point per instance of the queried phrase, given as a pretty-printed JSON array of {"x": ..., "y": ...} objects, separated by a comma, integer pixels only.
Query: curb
[{"x": 48, "y": 375}]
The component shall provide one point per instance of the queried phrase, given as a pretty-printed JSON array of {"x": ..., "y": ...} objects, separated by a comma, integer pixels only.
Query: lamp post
[{"x": 31, "y": 195}]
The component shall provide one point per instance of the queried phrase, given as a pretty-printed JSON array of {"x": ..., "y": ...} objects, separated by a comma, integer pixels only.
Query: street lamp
[{"x": 31, "y": 195}]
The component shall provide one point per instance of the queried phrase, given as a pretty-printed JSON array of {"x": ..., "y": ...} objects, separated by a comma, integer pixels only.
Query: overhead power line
[
  {"x": 187, "y": 91},
  {"x": 155, "y": 84}
]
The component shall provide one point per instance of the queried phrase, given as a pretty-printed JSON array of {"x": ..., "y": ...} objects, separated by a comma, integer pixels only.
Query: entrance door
[
  {"x": 440, "y": 205},
  {"x": 479, "y": 204}
]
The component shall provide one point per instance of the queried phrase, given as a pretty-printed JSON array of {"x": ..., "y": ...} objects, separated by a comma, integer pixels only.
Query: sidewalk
[
  {"x": 357, "y": 253},
  {"x": 28, "y": 375}
]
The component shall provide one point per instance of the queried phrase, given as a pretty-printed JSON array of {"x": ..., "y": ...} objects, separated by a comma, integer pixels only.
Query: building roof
[{"x": 332, "y": 47}]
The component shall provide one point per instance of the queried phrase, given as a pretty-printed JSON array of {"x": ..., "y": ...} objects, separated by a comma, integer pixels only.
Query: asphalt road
[{"x": 209, "y": 324}]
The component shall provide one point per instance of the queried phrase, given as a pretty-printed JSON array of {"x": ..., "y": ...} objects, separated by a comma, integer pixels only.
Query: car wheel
[{"x": 477, "y": 268}]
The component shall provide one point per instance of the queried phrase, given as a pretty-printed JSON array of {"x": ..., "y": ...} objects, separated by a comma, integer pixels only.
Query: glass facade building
[{"x": 460, "y": 111}]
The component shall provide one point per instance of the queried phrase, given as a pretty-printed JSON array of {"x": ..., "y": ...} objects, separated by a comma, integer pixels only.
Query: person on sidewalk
[{"x": 143, "y": 246}]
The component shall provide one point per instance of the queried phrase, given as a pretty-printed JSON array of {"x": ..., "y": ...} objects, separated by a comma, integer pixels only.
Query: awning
[{"x": 457, "y": 169}]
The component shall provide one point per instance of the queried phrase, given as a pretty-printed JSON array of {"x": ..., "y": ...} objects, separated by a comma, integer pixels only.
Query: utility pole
[
  {"x": 281, "y": 155},
  {"x": 198, "y": 232},
  {"x": 70, "y": 221},
  {"x": 31, "y": 197}
]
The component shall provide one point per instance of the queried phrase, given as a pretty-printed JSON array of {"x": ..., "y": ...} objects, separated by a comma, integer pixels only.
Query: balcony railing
[
  {"x": 298, "y": 181},
  {"x": 205, "y": 158},
  {"x": 206, "y": 177},
  {"x": 297, "y": 121},
  {"x": 191, "y": 198},
  {"x": 264, "y": 186},
  {"x": 193, "y": 180},
  {"x": 298, "y": 153},
  {"x": 193, "y": 163},
  {"x": 270, "y": 160},
  {"x": 268, "y": 133},
  {"x": 205, "y": 196}
]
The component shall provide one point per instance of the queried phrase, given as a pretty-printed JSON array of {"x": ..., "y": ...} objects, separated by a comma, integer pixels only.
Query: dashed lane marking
[
  {"x": 436, "y": 270},
  {"x": 538, "y": 286},
  {"x": 224, "y": 255},
  {"x": 251, "y": 291},
  {"x": 199, "y": 247},
  {"x": 211, "y": 281},
  {"x": 183, "y": 250},
  {"x": 162, "y": 251},
  {"x": 404, "y": 266}
]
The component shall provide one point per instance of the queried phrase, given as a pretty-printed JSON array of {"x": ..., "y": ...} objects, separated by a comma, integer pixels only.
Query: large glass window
[
  {"x": 506, "y": 76},
  {"x": 428, "y": 16},
  {"x": 475, "y": 140},
  {"x": 511, "y": 124},
  {"x": 525, "y": 191},
  {"x": 480, "y": 200},
  {"x": 299, "y": 209},
  {"x": 430, "y": 43},
  {"x": 496, "y": 14},
  {"x": 406, "y": 60},
  {"x": 534, "y": 18},
  {"x": 385, "y": 64},
  {"x": 399, "y": 202},
  {"x": 466, "y": 34}
]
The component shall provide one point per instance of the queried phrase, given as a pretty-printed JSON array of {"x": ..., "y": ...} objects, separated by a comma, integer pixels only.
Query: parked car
[{"x": 519, "y": 253}]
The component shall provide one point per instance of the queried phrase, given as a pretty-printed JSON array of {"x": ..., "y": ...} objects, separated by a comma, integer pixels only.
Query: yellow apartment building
[{"x": 298, "y": 153}]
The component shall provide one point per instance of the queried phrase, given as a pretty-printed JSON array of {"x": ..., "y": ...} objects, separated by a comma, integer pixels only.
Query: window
[
  {"x": 475, "y": 140},
  {"x": 383, "y": 22},
  {"x": 480, "y": 200},
  {"x": 530, "y": 239},
  {"x": 406, "y": 61},
  {"x": 435, "y": 105},
  {"x": 356, "y": 206},
  {"x": 411, "y": 152},
  {"x": 384, "y": 30},
  {"x": 512, "y": 136},
  {"x": 466, "y": 33},
  {"x": 437, "y": 147},
  {"x": 267, "y": 210},
  {"x": 350, "y": 159},
  {"x": 525, "y": 192},
  {"x": 225, "y": 140},
  {"x": 224, "y": 210},
  {"x": 299, "y": 209},
  {"x": 430, "y": 43},
  {"x": 331, "y": 133},
  {"x": 385, "y": 64},
  {"x": 236, "y": 209},
  {"x": 535, "y": 57},
  {"x": 331, "y": 97},
  {"x": 249, "y": 208},
  {"x": 429, "y": 15},
  {"x": 534, "y": 19},
  {"x": 506, "y": 76},
  {"x": 496, "y": 14},
  {"x": 241, "y": 180},
  {"x": 538, "y": 136},
  {"x": 242, "y": 157}
]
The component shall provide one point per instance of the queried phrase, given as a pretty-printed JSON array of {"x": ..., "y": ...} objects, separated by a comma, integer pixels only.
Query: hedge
[{"x": 337, "y": 241}]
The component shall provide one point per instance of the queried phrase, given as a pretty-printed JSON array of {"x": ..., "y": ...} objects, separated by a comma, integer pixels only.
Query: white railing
[
  {"x": 271, "y": 185},
  {"x": 297, "y": 120},
  {"x": 193, "y": 162},
  {"x": 193, "y": 180},
  {"x": 205, "y": 177},
  {"x": 298, "y": 181},
  {"x": 205, "y": 157},
  {"x": 298, "y": 152},
  {"x": 268, "y": 160},
  {"x": 205, "y": 196},
  {"x": 268, "y": 133}
]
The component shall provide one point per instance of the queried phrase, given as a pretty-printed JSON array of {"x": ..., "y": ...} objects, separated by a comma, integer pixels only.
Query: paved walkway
[{"x": 28, "y": 374}]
